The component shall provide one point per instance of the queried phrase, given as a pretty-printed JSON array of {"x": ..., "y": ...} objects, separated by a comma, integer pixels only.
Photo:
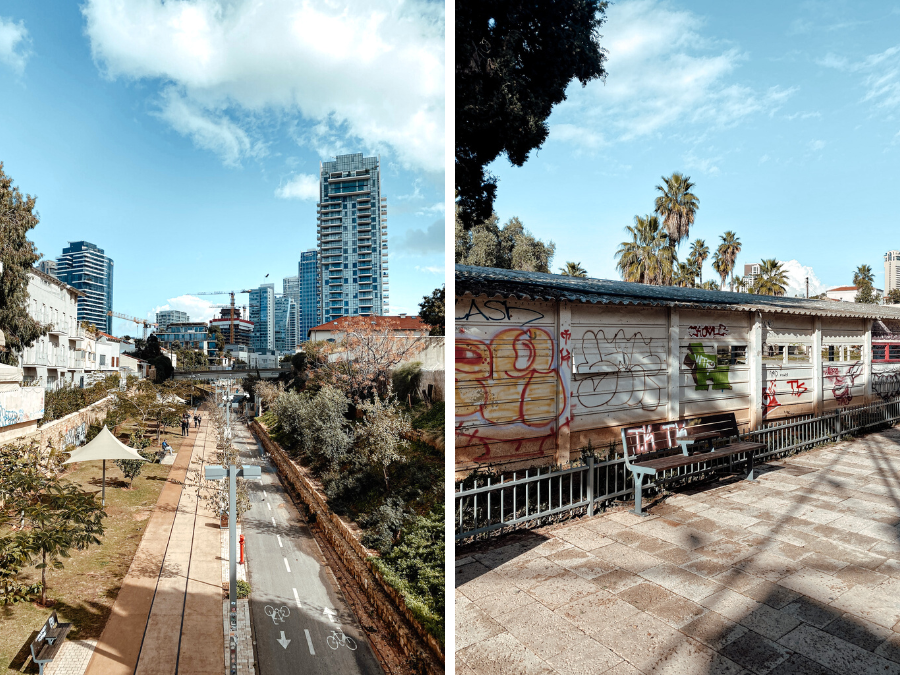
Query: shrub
[
  {"x": 316, "y": 426},
  {"x": 383, "y": 525},
  {"x": 405, "y": 381},
  {"x": 243, "y": 589}
]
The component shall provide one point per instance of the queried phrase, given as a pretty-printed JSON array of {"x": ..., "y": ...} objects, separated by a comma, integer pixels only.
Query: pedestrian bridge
[{"x": 209, "y": 375}]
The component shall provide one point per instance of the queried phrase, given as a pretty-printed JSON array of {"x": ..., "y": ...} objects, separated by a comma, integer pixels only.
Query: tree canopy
[
  {"x": 18, "y": 255},
  {"x": 677, "y": 206},
  {"x": 573, "y": 269},
  {"x": 432, "y": 311},
  {"x": 514, "y": 60},
  {"x": 510, "y": 247},
  {"x": 648, "y": 258}
]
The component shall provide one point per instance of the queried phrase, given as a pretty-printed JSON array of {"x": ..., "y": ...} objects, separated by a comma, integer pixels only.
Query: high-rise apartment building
[
  {"x": 285, "y": 324},
  {"x": 262, "y": 315},
  {"x": 291, "y": 289},
  {"x": 169, "y": 316},
  {"x": 891, "y": 271},
  {"x": 84, "y": 266},
  {"x": 352, "y": 237},
  {"x": 309, "y": 305},
  {"x": 48, "y": 267}
]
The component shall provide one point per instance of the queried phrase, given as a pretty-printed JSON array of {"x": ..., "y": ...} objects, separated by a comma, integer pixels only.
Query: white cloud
[
  {"x": 431, "y": 269},
  {"x": 14, "y": 41},
  {"x": 197, "y": 309},
  {"x": 437, "y": 207},
  {"x": 417, "y": 242},
  {"x": 880, "y": 75},
  {"x": 816, "y": 145},
  {"x": 302, "y": 186},
  {"x": 373, "y": 71},
  {"x": 661, "y": 72},
  {"x": 797, "y": 275}
]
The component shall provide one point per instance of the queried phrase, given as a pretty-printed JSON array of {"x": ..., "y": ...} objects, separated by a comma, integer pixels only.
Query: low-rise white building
[{"x": 845, "y": 293}]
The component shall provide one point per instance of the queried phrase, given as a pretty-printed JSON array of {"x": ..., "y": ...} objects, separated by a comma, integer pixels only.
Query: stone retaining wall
[
  {"x": 387, "y": 601},
  {"x": 69, "y": 430}
]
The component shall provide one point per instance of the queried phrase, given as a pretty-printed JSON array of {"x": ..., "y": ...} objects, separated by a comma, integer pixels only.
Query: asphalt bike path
[{"x": 301, "y": 623}]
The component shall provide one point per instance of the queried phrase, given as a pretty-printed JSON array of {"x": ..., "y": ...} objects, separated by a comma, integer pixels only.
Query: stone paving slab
[{"x": 796, "y": 573}]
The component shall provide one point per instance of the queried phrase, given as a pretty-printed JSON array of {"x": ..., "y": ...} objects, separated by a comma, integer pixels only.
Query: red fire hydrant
[{"x": 242, "y": 549}]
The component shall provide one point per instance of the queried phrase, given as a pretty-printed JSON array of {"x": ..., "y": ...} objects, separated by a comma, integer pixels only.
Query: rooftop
[{"x": 541, "y": 286}]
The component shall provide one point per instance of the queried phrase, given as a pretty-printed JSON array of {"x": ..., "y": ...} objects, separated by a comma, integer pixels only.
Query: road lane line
[
  {"x": 280, "y": 545},
  {"x": 269, "y": 505},
  {"x": 286, "y": 565},
  {"x": 273, "y": 522},
  {"x": 297, "y": 598},
  {"x": 309, "y": 642}
]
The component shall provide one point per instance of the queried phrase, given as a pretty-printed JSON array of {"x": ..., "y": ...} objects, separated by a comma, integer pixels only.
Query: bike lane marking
[
  {"x": 309, "y": 640},
  {"x": 278, "y": 537},
  {"x": 286, "y": 565},
  {"x": 297, "y": 598}
]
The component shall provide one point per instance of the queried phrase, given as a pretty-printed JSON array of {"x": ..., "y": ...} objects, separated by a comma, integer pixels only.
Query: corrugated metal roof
[{"x": 540, "y": 286}]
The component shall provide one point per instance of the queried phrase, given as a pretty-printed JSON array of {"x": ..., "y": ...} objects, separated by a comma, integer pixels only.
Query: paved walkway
[
  {"x": 165, "y": 619},
  {"x": 797, "y": 573}
]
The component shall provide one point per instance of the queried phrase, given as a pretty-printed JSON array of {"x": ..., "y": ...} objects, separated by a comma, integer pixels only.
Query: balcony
[{"x": 59, "y": 332}]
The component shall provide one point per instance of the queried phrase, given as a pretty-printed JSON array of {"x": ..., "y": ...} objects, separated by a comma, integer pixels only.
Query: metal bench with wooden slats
[
  {"x": 652, "y": 449},
  {"x": 49, "y": 641}
]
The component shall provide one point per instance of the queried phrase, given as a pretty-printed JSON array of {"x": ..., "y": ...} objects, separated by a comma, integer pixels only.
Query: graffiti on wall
[
  {"x": 770, "y": 402},
  {"x": 21, "y": 405},
  {"x": 842, "y": 382},
  {"x": 500, "y": 310},
  {"x": 508, "y": 389},
  {"x": 707, "y": 331},
  {"x": 619, "y": 371},
  {"x": 75, "y": 435},
  {"x": 886, "y": 384},
  {"x": 706, "y": 369}
]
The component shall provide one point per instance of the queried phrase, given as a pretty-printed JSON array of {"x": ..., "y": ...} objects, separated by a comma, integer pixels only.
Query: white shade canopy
[{"x": 104, "y": 446}]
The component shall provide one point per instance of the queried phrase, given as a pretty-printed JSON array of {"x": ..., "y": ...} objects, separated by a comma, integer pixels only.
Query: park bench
[
  {"x": 654, "y": 449},
  {"x": 49, "y": 641}
]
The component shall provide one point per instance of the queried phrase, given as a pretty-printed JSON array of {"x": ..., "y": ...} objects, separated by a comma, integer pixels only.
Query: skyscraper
[
  {"x": 48, "y": 267},
  {"x": 291, "y": 289},
  {"x": 891, "y": 271},
  {"x": 310, "y": 304},
  {"x": 285, "y": 324},
  {"x": 84, "y": 266},
  {"x": 352, "y": 236},
  {"x": 262, "y": 314}
]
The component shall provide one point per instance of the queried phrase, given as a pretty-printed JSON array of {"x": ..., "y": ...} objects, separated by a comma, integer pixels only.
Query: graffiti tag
[
  {"x": 886, "y": 384},
  {"x": 706, "y": 369},
  {"x": 843, "y": 382},
  {"x": 499, "y": 310},
  {"x": 769, "y": 400},
  {"x": 798, "y": 387},
  {"x": 620, "y": 371},
  {"x": 75, "y": 435},
  {"x": 708, "y": 331}
]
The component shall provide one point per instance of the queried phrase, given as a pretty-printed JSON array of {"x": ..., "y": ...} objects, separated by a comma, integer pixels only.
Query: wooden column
[
  {"x": 818, "y": 381},
  {"x": 563, "y": 410},
  {"x": 673, "y": 367},
  {"x": 867, "y": 357},
  {"x": 754, "y": 361}
]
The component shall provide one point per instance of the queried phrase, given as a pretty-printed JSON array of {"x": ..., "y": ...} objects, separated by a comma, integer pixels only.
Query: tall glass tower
[
  {"x": 352, "y": 236},
  {"x": 84, "y": 266},
  {"x": 291, "y": 289},
  {"x": 310, "y": 303},
  {"x": 262, "y": 314}
]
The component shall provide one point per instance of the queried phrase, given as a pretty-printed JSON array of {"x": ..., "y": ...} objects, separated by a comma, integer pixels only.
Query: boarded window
[
  {"x": 878, "y": 352},
  {"x": 895, "y": 352}
]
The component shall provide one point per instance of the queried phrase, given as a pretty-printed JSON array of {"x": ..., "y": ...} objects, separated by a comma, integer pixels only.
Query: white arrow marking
[
  {"x": 279, "y": 541},
  {"x": 309, "y": 642},
  {"x": 284, "y": 642},
  {"x": 286, "y": 565},
  {"x": 330, "y": 614},
  {"x": 297, "y": 597}
]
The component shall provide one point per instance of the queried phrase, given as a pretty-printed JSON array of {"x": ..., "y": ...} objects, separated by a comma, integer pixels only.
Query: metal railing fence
[{"x": 486, "y": 503}]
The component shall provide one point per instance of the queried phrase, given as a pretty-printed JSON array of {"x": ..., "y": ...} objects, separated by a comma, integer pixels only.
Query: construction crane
[
  {"x": 231, "y": 317},
  {"x": 146, "y": 324}
]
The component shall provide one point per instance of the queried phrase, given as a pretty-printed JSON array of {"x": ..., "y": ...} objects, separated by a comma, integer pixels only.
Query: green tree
[
  {"x": 648, "y": 258},
  {"x": 18, "y": 255},
  {"x": 710, "y": 285},
  {"x": 164, "y": 369},
  {"x": 772, "y": 279},
  {"x": 867, "y": 294},
  {"x": 432, "y": 312},
  {"x": 685, "y": 275},
  {"x": 216, "y": 332},
  {"x": 726, "y": 255},
  {"x": 677, "y": 206},
  {"x": 130, "y": 468},
  {"x": 698, "y": 255},
  {"x": 510, "y": 247},
  {"x": 893, "y": 296},
  {"x": 61, "y": 518},
  {"x": 381, "y": 435},
  {"x": 573, "y": 269},
  {"x": 863, "y": 274},
  {"x": 514, "y": 61}
]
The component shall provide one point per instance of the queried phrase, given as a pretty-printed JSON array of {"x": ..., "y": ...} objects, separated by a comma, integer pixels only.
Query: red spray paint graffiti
[
  {"x": 842, "y": 383},
  {"x": 769, "y": 400}
]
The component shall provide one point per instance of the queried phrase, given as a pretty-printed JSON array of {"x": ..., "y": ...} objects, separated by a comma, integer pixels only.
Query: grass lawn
[{"x": 84, "y": 592}]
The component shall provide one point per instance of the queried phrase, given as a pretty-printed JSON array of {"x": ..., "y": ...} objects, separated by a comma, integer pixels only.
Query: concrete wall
[{"x": 536, "y": 380}]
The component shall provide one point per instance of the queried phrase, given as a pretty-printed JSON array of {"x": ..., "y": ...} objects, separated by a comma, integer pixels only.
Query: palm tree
[
  {"x": 771, "y": 280},
  {"x": 677, "y": 206},
  {"x": 648, "y": 258},
  {"x": 699, "y": 254},
  {"x": 863, "y": 274},
  {"x": 573, "y": 269},
  {"x": 685, "y": 275},
  {"x": 728, "y": 252},
  {"x": 720, "y": 265},
  {"x": 710, "y": 285}
]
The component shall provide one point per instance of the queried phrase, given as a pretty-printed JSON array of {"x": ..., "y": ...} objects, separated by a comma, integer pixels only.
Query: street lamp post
[{"x": 218, "y": 472}]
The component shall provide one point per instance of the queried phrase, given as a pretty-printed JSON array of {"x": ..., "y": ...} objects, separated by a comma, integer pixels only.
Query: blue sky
[
  {"x": 183, "y": 138},
  {"x": 785, "y": 115}
]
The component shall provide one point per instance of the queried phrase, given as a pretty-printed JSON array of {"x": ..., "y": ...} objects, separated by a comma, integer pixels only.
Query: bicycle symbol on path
[
  {"x": 277, "y": 615},
  {"x": 334, "y": 641}
]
